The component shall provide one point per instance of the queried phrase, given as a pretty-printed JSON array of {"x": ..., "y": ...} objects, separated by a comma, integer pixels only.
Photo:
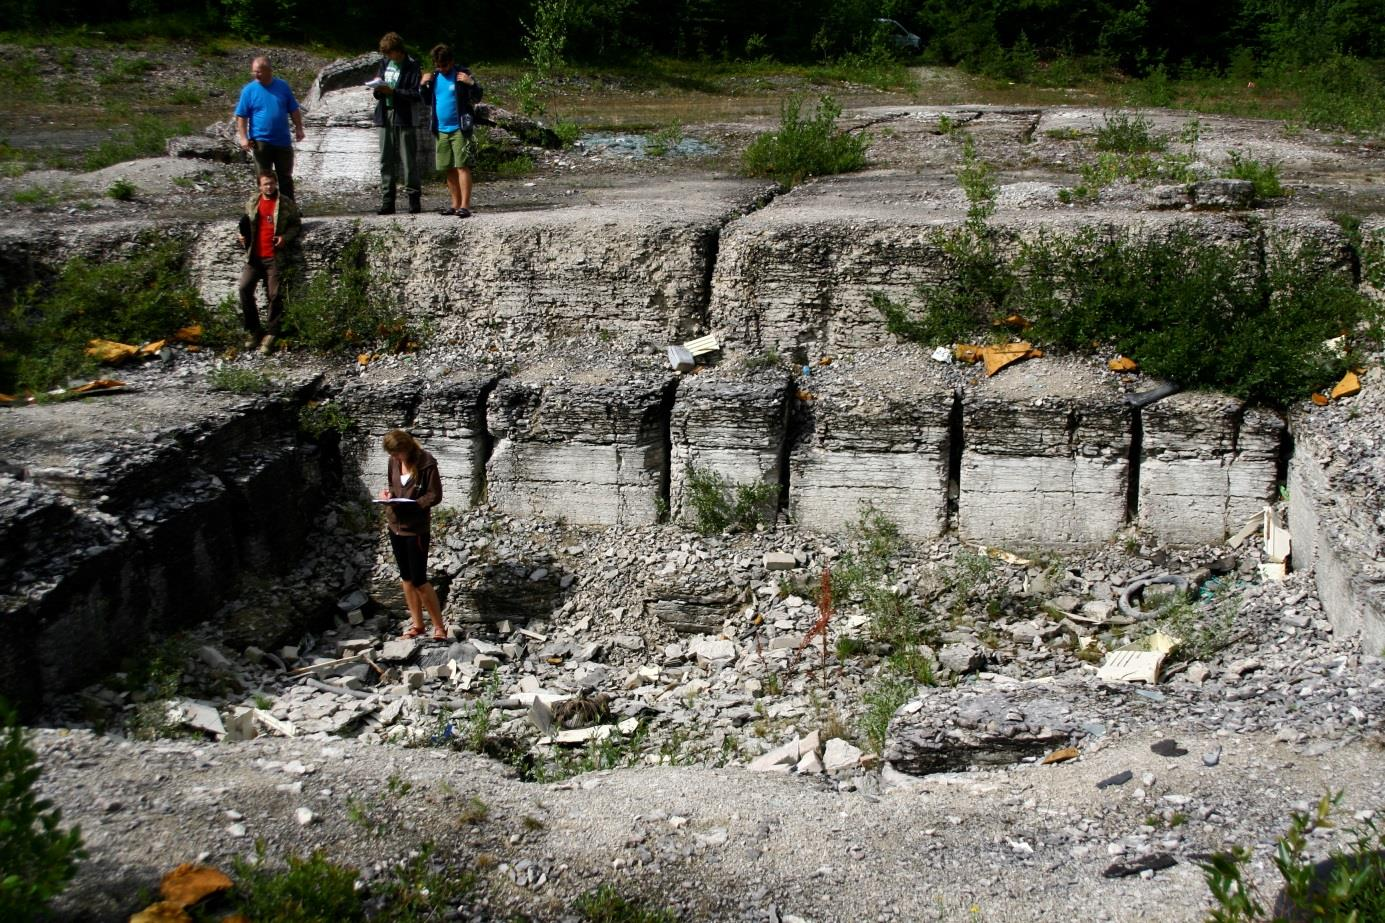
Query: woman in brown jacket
[{"x": 415, "y": 488}]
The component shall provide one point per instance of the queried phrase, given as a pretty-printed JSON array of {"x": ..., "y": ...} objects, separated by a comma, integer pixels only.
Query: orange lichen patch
[
  {"x": 188, "y": 884},
  {"x": 1123, "y": 364},
  {"x": 1015, "y": 322},
  {"x": 189, "y": 334},
  {"x": 99, "y": 386},
  {"x": 162, "y": 912},
  {"x": 1322, "y": 400},
  {"x": 110, "y": 352},
  {"x": 1349, "y": 385},
  {"x": 998, "y": 357},
  {"x": 363, "y": 359},
  {"x": 1061, "y": 756}
]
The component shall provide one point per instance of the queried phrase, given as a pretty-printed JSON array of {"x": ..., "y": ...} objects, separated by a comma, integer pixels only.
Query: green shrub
[
  {"x": 311, "y": 890},
  {"x": 1352, "y": 891},
  {"x": 606, "y": 905},
  {"x": 1265, "y": 176},
  {"x": 884, "y": 698},
  {"x": 660, "y": 142},
  {"x": 717, "y": 505},
  {"x": 44, "y": 333},
  {"x": 1125, "y": 134},
  {"x": 317, "y": 420},
  {"x": 37, "y": 859},
  {"x": 338, "y": 309},
  {"x": 122, "y": 190},
  {"x": 239, "y": 380},
  {"x": 805, "y": 146},
  {"x": 1343, "y": 92}
]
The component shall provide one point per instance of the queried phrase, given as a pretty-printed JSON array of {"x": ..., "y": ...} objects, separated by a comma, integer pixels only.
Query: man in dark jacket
[
  {"x": 396, "y": 91},
  {"x": 270, "y": 224}
]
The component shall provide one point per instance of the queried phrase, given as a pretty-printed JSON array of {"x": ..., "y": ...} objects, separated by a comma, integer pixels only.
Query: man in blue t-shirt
[
  {"x": 262, "y": 123},
  {"x": 451, "y": 93}
]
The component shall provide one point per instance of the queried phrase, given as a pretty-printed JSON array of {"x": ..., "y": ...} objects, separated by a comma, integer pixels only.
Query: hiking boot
[
  {"x": 386, "y": 207},
  {"x": 415, "y": 203}
]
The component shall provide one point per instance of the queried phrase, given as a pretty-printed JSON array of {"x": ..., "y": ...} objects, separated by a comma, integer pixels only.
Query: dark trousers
[
  {"x": 276, "y": 160},
  {"x": 255, "y": 270},
  {"x": 398, "y": 154}
]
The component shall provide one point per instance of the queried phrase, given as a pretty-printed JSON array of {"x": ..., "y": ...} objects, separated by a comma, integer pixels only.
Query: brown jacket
[{"x": 425, "y": 486}]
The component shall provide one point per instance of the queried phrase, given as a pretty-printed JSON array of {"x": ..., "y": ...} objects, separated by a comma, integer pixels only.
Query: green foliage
[
  {"x": 977, "y": 179},
  {"x": 718, "y": 505},
  {"x": 1125, "y": 134},
  {"x": 417, "y": 891},
  {"x": 567, "y": 131},
  {"x": 664, "y": 140},
  {"x": 606, "y": 905},
  {"x": 122, "y": 190},
  {"x": 143, "y": 297},
  {"x": 144, "y": 136},
  {"x": 1265, "y": 176},
  {"x": 240, "y": 380},
  {"x": 37, "y": 858},
  {"x": 886, "y": 694},
  {"x": 1205, "y": 628},
  {"x": 311, "y": 890},
  {"x": 1343, "y": 92},
  {"x": 340, "y": 310},
  {"x": 1353, "y": 891},
  {"x": 546, "y": 36},
  {"x": 318, "y": 420},
  {"x": 614, "y": 751},
  {"x": 805, "y": 146}
]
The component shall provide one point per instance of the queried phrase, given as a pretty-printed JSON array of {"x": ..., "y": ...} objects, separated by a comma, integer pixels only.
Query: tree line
[{"x": 988, "y": 36}]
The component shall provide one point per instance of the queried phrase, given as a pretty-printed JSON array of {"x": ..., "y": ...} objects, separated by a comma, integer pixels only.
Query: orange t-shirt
[{"x": 264, "y": 236}]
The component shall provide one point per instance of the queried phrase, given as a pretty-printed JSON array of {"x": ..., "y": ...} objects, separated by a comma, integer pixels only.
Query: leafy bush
[
  {"x": 311, "y": 890},
  {"x": 1351, "y": 889},
  {"x": 320, "y": 419},
  {"x": 606, "y": 905},
  {"x": 37, "y": 859},
  {"x": 1125, "y": 134},
  {"x": 339, "y": 308},
  {"x": 44, "y": 334},
  {"x": 240, "y": 380},
  {"x": 805, "y": 146},
  {"x": 1265, "y": 176},
  {"x": 717, "y": 505},
  {"x": 882, "y": 701},
  {"x": 122, "y": 190}
]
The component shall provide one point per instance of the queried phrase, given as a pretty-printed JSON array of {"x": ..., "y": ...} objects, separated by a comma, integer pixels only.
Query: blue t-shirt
[
  {"x": 267, "y": 108},
  {"x": 445, "y": 101}
]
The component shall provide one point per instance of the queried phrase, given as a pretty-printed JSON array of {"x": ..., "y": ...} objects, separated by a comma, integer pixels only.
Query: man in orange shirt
[{"x": 271, "y": 222}]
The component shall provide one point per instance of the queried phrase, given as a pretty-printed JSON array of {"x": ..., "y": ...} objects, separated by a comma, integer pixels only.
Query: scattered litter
[
  {"x": 996, "y": 357},
  {"x": 1123, "y": 364},
  {"x": 1131, "y": 666},
  {"x": 1002, "y": 555},
  {"x": 684, "y": 358},
  {"x": 100, "y": 386},
  {"x": 1136, "y": 588},
  {"x": 1348, "y": 386},
  {"x": 197, "y": 715},
  {"x": 1060, "y": 756},
  {"x": 1277, "y": 548},
  {"x": 942, "y": 354}
]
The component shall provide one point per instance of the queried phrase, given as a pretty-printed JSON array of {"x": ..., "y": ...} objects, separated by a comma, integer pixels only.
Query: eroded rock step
[{"x": 128, "y": 518}]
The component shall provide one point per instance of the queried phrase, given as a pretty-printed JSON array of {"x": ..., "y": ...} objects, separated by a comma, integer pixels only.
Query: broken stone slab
[
  {"x": 840, "y": 756},
  {"x": 993, "y": 723},
  {"x": 728, "y": 423},
  {"x": 695, "y": 604},
  {"x": 584, "y": 444},
  {"x": 712, "y": 653},
  {"x": 1223, "y": 193},
  {"x": 779, "y": 560},
  {"x": 485, "y": 593},
  {"x": 400, "y": 649},
  {"x": 874, "y": 434},
  {"x": 962, "y": 657},
  {"x": 200, "y": 716},
  {"x": 1046, "y": 457}
]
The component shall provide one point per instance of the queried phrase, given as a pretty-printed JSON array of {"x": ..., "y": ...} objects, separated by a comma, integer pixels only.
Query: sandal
[
  {"x": 411, "y": 634},
  {"x": 441, "y": 635}
]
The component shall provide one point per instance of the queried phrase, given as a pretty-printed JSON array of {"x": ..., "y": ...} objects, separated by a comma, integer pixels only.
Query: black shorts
[{"x": 411, "y": 551}]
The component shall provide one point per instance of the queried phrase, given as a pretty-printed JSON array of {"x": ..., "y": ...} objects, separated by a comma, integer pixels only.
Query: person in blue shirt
[
  {"x": 452, "y": 93},
  {"x": 262, "y": 123}
]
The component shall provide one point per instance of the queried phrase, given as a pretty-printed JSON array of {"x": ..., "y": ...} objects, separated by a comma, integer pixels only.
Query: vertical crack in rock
[
  {"x": 666, "y": 421},
  {"x": 956, "y": 438},
  {"x": 485, "y": 443},
  {"x": 1137, "y": 447}
]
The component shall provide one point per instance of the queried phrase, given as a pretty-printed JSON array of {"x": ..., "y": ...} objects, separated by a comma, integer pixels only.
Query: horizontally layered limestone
[
  {"x": 729, "y": 424},
  {"x": 1336, "y": 482},
  {"x": 1208, "y": 464},
  {"x": 587, "y": 444},
  {"x": 873, "y": 435},
  {"x": 136, "y": 515},
  {"x": 1045, "y": 457}
]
